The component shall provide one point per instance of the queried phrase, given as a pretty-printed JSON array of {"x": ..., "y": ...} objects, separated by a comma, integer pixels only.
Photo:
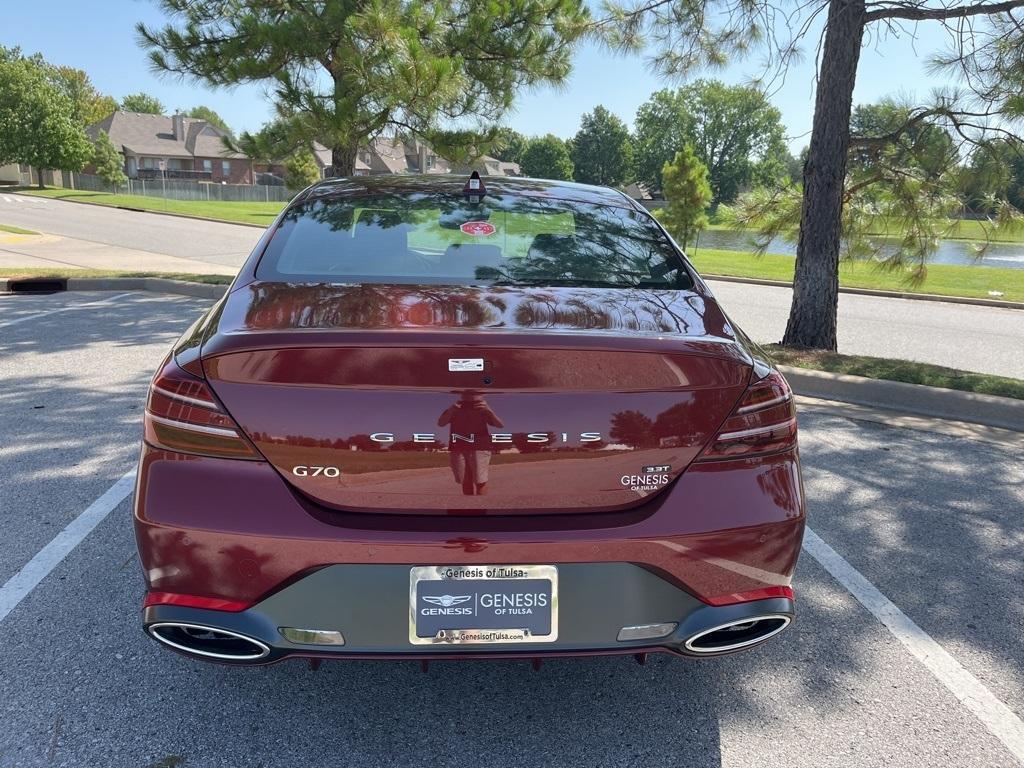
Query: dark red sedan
[{"x": 436, "y": 419}]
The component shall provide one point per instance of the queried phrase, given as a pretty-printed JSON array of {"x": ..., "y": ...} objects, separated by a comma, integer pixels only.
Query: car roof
[{"x": 355, "y": 186}]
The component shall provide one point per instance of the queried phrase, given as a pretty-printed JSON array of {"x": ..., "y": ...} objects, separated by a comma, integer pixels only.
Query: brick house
[{"x": 176, "y": 146}]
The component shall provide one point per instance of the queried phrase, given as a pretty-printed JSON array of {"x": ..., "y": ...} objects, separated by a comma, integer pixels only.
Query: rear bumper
[
  {"x": 368, "y": 605},
  {"x": 696, "y": 555}
]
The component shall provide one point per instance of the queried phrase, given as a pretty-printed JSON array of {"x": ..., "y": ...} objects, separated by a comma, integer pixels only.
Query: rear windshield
[{"x": 504, "y": 240}]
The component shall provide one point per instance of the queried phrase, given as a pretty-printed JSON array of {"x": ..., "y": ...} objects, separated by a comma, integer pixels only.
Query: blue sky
[{"x": 100, "y": 38}]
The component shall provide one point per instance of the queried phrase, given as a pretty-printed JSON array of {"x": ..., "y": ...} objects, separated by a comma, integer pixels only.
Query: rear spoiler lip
[{"x": 220, "y": 343}]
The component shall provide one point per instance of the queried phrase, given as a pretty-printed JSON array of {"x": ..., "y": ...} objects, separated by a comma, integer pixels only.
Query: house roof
[
  {"x": 453, "y": 184},
  {"x": 322, "y": 155},
  {"x": 142, "y": 134},
  {"x": 391, "y": 155}
]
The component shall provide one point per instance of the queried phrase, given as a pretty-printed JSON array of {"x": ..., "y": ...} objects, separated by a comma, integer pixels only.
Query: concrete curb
[
  {"x": 877, "y": 292},
  {"x": 936, "y": 402},
  {"x": 155, "y": 284}
]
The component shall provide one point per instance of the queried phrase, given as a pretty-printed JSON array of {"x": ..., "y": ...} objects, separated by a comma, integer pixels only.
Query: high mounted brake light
[
  {"x": 764, "y": 421},
  {"x": 474, "y": 188},
  {"x": 183, "y": 415}
]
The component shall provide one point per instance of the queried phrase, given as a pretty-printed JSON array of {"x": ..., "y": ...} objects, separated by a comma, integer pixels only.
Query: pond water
[{"x": 1009, "y": 255}]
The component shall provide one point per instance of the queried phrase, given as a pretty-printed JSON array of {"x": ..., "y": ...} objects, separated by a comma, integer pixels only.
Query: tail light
[
  {"x": 764, "y": 421},
  {"x": 183, "y": 415}
]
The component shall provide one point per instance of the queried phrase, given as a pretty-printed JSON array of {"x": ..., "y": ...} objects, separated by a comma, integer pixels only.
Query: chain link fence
[{"x": 177, "y": 189}]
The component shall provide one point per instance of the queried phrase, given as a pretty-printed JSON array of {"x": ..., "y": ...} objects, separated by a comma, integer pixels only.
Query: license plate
[{"x": 483, "y": 604}]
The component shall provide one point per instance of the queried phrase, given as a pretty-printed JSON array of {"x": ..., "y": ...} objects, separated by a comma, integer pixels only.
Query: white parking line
[
  {"x": 20, "y": 199},
  {"x": 50, "y": 556},
  {"x": 1000, "y": 720},
  {"x": 67, "y": 308}
]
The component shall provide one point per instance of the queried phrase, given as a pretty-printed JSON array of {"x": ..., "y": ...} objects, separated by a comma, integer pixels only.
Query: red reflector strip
[
  {"x": 765, "y": 404},
  {"x": 745, "y": 434},
  {"x": 219, "y": 431},
  {"x": 193, "y": 601},
  {"x": 764, "y": 593},
  {"x": 185, "y": 399}
]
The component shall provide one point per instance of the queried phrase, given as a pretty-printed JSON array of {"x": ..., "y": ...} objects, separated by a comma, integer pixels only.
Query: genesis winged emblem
[{"x": 446, "y": 601}]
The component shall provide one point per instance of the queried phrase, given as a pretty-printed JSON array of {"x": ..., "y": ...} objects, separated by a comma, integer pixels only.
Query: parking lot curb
[
  {"x": 155, "y": 284},
  {"x": 875, "y": 292},
  {"x": 935, "y": 402}
]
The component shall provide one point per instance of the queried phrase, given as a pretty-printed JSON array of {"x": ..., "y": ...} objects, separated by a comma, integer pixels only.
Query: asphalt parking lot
[{"x": 908, "y": 648}]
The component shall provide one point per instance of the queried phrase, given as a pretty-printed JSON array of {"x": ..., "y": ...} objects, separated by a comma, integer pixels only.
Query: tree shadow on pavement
[{"x": 72, "y": 392}]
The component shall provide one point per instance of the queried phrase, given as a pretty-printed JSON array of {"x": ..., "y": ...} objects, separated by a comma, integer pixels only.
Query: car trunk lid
[{"x": 388, "y": 406}]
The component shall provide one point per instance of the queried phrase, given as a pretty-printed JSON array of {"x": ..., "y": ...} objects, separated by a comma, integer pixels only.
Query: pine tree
[
  {"x": 107, "y": 161},
  {"x": 342, "y": 72},
  {"x": 301, "y": 170},
  {"x": 687, "y": 194}
]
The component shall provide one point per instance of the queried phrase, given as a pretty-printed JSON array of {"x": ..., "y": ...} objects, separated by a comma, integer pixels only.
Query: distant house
[
  {"x": 179, "y": 147},
  {"x": 175, "y": 147},
  {"x": 389, "y": 155}
]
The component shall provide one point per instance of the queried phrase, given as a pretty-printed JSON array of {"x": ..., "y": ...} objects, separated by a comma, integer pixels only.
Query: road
[
  {"x": 211, "y": 241},
  {"x": 982, "y": 339},
  {"x": 932, "y": 523},
  {"x": 971, "y": 338}
]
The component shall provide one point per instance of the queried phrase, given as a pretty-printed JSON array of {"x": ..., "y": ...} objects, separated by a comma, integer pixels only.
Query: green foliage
[
  {"x": 38, "y": 124},
  {"x": 268, "y": 145},
  {"x": 602, "y": 150},
  {"x": 995, "y": 173},
  {"x": 210, "y": 116},
  {"x": 342, "y": 72},
  {"x": 90, "y": 106},
  {"x": 922, "y": 145},
  {"x": 301, "y": 170},
  {"x": 734, "y": 130},
  {"x": 108, "y": 161},
  {"x": 896, "y": 223},
  {"x": 687, "y": 194},
  {"x": 142, "y": 103},
  {"x": 633, "y": 428},
  {"x": 509, "y": 145},
  {"x": 547, "y": 158}
]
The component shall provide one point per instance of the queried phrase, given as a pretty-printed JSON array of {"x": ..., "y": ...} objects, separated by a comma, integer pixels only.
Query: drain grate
[{"x": 38, "y": 285}]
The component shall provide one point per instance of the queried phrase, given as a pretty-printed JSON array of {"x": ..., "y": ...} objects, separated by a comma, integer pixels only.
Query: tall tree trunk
[
  {"x": 39, "y": 178},
  {"x": 343, "y": 160},
  {"x": 812, "y": 317}
]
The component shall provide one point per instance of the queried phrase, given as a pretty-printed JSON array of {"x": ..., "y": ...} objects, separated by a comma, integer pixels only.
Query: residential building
[
  {"x": 173, "y": 147},
  {"x": 180, "y": 147}
]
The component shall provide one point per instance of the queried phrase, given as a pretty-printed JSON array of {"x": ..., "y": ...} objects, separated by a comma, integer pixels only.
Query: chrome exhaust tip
[
  {"x": 209, "y": 642},
  {"x": 738, "y": 634}
]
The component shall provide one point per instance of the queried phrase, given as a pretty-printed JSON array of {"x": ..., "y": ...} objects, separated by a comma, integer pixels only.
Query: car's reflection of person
[{"x": 470, "y": 417}]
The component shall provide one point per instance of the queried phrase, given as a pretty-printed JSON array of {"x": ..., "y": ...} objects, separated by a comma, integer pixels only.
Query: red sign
[{"x": 478, "y": 228}]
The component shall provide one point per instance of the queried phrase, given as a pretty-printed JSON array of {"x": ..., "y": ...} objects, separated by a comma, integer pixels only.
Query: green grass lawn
[
  {"x": 16, "y": 230},
  {"x": 241, "y": 213},
  {"x": 942, "y": 279},
  {"x": 50, "y": 272},
  {"x": 965, "y": 229},
  {"x": 898, "y": 370}
]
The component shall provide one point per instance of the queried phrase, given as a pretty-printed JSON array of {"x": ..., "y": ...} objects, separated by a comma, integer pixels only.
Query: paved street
[
  {"x": 224, "y": 244},
  {"x": 984, "y": 339},
  {"x": 933, "y": 523},
  {"x": 972, "y": 338}
]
